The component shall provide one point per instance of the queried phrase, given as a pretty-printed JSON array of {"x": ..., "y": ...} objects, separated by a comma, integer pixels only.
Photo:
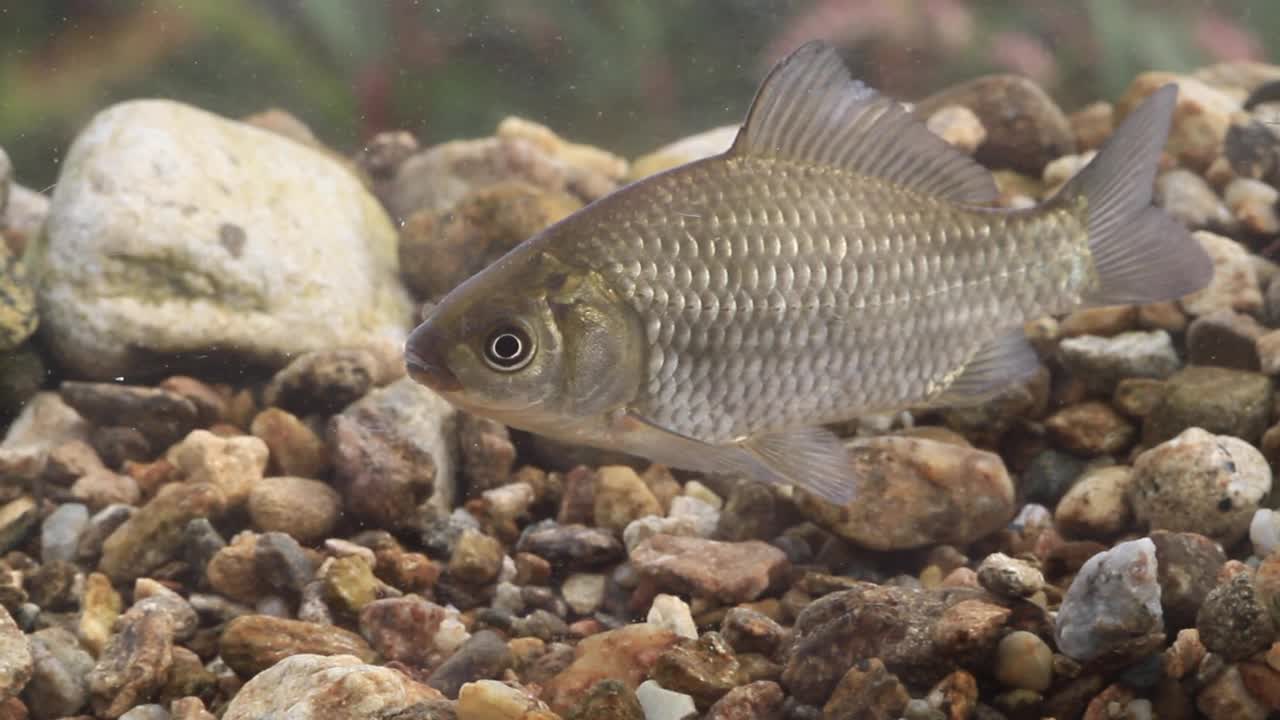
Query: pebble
[
  {"x": 306, "y": 509},
  {"x": 1105, "y": 321},
  {"x": 294, "y": 448},
  {"x": 58, "y": 686},
  {"x": 476, "y": 559},
  {"x": 1225, "y": 338},
  {"x": 1050, "y": 475},
  {"x": 1092, "y": 124},
  {"x": 959, "y": 126},
  {"x": 1102, "y": 362},
  {"x": 1024, "y": 661},
  {"x": 1217, "y": 400},
  {"x": 671, "y": 613},
  {"x": 1267, "y": 346},
  {"x": 1090, "y": 429},
  {"x": 760, "y": 700},
  {"x": 487, "y": 453},
  {"x": 749, "y": 631},
  {"x": 660, "y": 703},
  {"x": 152, "y": 536},
  {"x": 1253, "y": 202},
  {"x": 99, "y": 607},
  {"x": 753, "y": 511},
  {"x": 571, "y": 547},
  {"x": 867, "y": 690},
  {"x": 1189, "y": 199},
  {"x": 60, "y": 533},
  {"x": 134, "y": 663},
  {"x": 626, "y": 655},
  {"x": 311, "y": 687},
  {"x": 1232, "y": 622},
  {"x": 483, "y": 656},
  {"x": 393, "y": 449},
  {"x": 233, "y": 465},
  {"x": 250, "y": 644},
  {"x": 1009, "y": 577},
  {"x": 102, "y": 488},
  {"x": 1200, "y": 482},
  {"x": 1264, "y": 531},
  {"x": 492, "y": 700},
  {"x": 1235, "y": 283},
  {"x": 402, "y": 629},
  {"x": 584, "y": 592},
  {"x": 1200, "y": 118},
  {"x": 608, "y": 700},
  {"x": 1120, "y": 584},
  {"x": 348, "y": 583},
  {"x": 622, "y": 497},
  {"x": 931, "y": 479},
  {"x": 728, "y": 572},
  {"x": 1188, "y": 565},
  {"x": 1226, "y": 698},
  {"x": 705, "y": 669},
  {"x": 15, "y": 656},
  {"x": 1097, "y": 506}
]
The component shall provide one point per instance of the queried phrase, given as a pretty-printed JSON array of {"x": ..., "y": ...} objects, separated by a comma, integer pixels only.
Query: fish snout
[{"x": 424, "y": 359}]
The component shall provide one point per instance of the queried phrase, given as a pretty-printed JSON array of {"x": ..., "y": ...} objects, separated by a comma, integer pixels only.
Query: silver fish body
[{"x": 838, "y": 260}]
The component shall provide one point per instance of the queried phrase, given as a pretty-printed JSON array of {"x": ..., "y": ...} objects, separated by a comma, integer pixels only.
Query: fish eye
[{"x": 508, "y": 349}]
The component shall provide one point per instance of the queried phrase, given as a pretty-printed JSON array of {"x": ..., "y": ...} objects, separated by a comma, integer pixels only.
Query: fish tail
[{"x": 1141, "y": 254}]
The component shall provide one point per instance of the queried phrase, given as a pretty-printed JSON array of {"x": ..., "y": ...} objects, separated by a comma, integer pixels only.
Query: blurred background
[{"x": 626, "y": 75}]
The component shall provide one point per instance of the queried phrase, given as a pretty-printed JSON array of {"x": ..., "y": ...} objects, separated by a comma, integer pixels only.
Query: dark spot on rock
[
  {"x": 1224, "y": 504},
  {"x": 232, "y": 237}
]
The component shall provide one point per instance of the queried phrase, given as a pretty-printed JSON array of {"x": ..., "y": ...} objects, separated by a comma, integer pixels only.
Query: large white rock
[{"x": 173, "y": 230}]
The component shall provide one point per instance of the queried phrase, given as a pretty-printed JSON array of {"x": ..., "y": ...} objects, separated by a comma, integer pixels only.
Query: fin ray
[
  {"x": 809, "y": 108},
  {"x": 997, "y": 365},
  {"x": 812, "y": 458}
]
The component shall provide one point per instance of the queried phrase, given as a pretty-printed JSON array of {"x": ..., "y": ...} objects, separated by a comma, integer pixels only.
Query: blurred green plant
[{"x": 617, "y": 73}]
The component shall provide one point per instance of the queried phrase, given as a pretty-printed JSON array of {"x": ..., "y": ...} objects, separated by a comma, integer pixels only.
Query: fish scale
[{"x": 813, "y": 281}]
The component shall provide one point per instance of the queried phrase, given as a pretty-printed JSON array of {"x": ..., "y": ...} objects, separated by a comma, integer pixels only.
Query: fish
[{"x": 837, "y": 260}]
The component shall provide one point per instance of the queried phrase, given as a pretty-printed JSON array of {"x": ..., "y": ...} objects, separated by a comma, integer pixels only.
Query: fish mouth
[{"x": 427, "y": 368}]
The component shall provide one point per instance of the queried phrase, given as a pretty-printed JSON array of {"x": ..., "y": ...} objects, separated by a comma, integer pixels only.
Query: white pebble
[
  {"x": 451, "y": 635},
  {"x": 1264, "y": 532},
  {"x": 695, "y": 489},
  {"x": 584, "y": 592},
  {"x": 704, "y": 516},
  {"x": 660, "y": 703},
  {"x": 671, "y": 613}
]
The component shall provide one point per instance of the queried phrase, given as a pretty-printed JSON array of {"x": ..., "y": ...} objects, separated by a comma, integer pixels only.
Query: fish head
[{"x": 532, "y": 342}]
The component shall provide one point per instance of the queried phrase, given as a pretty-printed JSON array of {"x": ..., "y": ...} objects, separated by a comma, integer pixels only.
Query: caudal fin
[{"x": 1141, "y": 254}]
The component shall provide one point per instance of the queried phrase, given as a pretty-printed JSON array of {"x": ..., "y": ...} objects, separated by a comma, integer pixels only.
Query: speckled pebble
[
  {"x": 1121, "y": 585},
  {"x": 1233, "y": 621},
  {"x": 584, "y": 592},
  {"x": 1097, "y": 506},
  {"x": 1009, "y": 577},
  {"x": 672, "y": 613}
]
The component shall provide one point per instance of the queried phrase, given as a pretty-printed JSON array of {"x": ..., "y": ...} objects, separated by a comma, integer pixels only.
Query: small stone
[
  {"x": 134, "y": 664},
  {"x": 701, "y": 517},
  {"x": 671, "y": 613},
  {"x": 729, "y": 572},
  {"x": 1090, "y": 429},
  {"x": 625, "y": 655},
  {"x": 1092, "y": 124},
  {"x": 1263, "y": 683},
  {"x": 190, "y": 708},
  {"x": 1137, "y": 397},
  {"x": 71, "y": 460},
  {"x": 1121, "y": 585},
  {"x": 146, "y": 712},
  {"x": 1188, "y": 565},
  {"x": 1267, "y": 347},
  {"x": 476, "y": 559},
  {"x": 1217, "y": 400},
  {"x": 932, "y": 480},
  {"x": 1264, "y": 532},
  {"x": 748, "y": 631},
  {"x": 313, "y": 686},
  {"x": 1050, "y": 475},
  {"x": 17, "y": 519},
  {"x": 492, "y": 700},
  {"x": 306, "y": 509},
  {"x": 571, "y": 547},
  {"x": 1024, "y": 661},
  {"x": 1059, "y": 171},
  {"x": 1226, "y": 698},
  {"x": 1225, "y": 338},
  {"x": 1235, "y": 281},
  {"x": 1200, "y": 482},
  {"x": 294, "y": 448},
  {"x": 867, "y": 690},
  {"x": 484, "y": 656},
  {"x": 584, "y": 592},
  {"x": 752, "y": 512},
  {"x": 1105, "y": 321},
  {"x": 487, "y": 453},
  {"x": 1189, "y": 199},
  {"x": 281, "y": 562},
  {"x": 608, "y": 700},
  {"x": 162, "y": 417},
  {"x": 958, "y": 126},
  {"x": 60, "y": 533},
  {"x": 1102, "y": 362},
  {"x": 1233, "y": 622},
  {"x": 659, "y": 703},
  {"x": 1097, "y": 506},
  {"x": 58, "y": 685},
  {"x": 101, "y": 488},
  {"x": 99, "y": 608},
  {"x": 349, "y": 584},
  {"x": 15, "y": 657},
  {"x": 393, "y": 450},
  {"x": 621, "y": 497},
  {"x": 761, "y": 700},
  {"x": 252, "y": 643},
  {"x": 1253, "y": 202},
  {"x": 323, "y": 381},
  {"x": 233, "y": 569},
  {"x": 233, "y": 465},
  {"x": 704, "y": 669},
  {"x": 402, "y": 629},
  {"x": 1200, "y": 118},
  {"x": 152, "y": 536},
  {"x": 1009, "y": 577}
]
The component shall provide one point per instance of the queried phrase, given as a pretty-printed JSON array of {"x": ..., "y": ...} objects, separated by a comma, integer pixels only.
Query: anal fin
[{"x": 1004, "y": 361}]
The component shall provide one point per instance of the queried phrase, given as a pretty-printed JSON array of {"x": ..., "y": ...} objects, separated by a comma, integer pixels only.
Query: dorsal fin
[{"x": 810, "y": 109}]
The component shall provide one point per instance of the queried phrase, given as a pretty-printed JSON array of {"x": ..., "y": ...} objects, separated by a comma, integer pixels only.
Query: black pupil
[{"x": 507, "y": 348}]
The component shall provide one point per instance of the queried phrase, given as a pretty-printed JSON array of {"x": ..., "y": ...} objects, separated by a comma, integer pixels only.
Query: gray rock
[
  {"x": 60, "y": 534},
  {"x": 1218, "y": 400},
  {"x": 483, "y": 657},
  {"x": 1121, "y": 585},
  {"x": 1187, "y": 197},
  {"x": 101, "y": 525},
  {"x": 570, "y": 547},
  {"x": 15, "y": 657},
  {"x": 1101, "y": 362},
  {"x": 157, "y": 244},
  {"x": 147, "y": 712},
  {"x": 58, "y": 686}
]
